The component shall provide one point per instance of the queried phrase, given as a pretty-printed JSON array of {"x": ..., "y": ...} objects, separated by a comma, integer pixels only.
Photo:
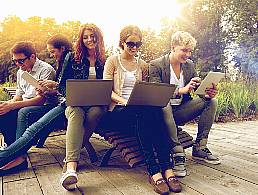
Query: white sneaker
[
  {"x": 3, "y": 146},
  {"x": 69, "y": 180}
]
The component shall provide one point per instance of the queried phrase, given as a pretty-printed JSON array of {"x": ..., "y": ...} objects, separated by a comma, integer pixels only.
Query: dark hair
[
  {"x": 81, "y": 51},
  {"x": 58, "y": 41},
  {"x": 127, "y": 31},
  {"x": 25, "y": 47}
]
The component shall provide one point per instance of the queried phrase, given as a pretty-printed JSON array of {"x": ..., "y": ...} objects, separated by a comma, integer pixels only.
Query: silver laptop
[
  {"x": 151, "y": 94},
  {"x": 81, "y": 92}
]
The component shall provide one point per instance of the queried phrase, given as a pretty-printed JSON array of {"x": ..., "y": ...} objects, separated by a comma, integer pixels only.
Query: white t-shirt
[
  {"x": 177, "y": 99},
  {"x": 128, "y": 85},
  {"x": 92, "y": 73}
]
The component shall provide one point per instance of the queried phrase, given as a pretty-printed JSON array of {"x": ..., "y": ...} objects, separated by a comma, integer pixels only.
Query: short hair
[
  {"x": 58, "y": 41},
  {"x": 183, "y": 38},
  {"x": 25, "y": 47},
  {"x": 127, "y": 31}
]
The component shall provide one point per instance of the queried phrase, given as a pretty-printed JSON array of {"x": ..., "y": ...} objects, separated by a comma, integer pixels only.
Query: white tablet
[
  {"x": 31, "y": 80},
  {"x": 212, "y": 77}
]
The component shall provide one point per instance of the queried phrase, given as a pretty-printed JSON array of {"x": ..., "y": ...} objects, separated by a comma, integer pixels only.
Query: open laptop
[
  {"x": 151, "y": 94},
  {"x": 81, "y": 92}
]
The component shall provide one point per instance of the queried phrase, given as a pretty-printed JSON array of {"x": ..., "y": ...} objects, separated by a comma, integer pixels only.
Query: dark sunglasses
[
  {"x": 20, "y": 61},
  {"x": 131, "y": 44}
]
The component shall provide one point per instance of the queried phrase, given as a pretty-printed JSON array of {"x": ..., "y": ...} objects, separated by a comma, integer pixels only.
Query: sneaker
[
  {"x": 204, "y": 154},
  {"x": 69, "y": 180},
  {"x": 179, "y": 165},
  {"x": 3, "y": 146}
]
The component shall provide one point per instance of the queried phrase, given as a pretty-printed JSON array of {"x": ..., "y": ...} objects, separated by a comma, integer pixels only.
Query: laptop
[
  {"x": 81, "y": 92},
  {"x": 151, "y": 94}
]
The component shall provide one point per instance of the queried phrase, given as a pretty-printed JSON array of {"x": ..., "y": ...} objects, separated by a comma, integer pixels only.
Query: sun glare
[{"x": 110, "y": 15}]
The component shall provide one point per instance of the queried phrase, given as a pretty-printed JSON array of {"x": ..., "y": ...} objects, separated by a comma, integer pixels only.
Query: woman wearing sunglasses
[{"x": 125, "y": 69}]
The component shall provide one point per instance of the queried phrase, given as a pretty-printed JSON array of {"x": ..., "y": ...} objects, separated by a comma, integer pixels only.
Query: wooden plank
[
  {"x": 48, "y": 177},
  {"x": 94, "y": 183},
  {"x": 1, "y": 185},
  {"x": 210, "y": 181},
  {"x": 238, "y": 167},
  {"x": 40, "y": 156},
  {"x": 128, "y": 182},
  {"x": 22, "y": 187},
  {"x": 24, "y": 174},
  {"x": 233, "y": 150}
]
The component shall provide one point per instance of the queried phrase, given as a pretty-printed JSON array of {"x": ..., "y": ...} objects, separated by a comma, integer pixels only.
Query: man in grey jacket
[{"x": 176, "y": 68}]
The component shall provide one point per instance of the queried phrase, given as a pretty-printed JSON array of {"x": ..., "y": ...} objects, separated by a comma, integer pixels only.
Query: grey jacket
[{"x": 159, "y": 71}]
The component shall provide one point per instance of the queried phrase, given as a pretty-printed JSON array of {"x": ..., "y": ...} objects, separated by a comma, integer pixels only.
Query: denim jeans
[
  {"x": 8, "y": 125},
  {"x": 28, "y": 115},
  {"x": 149, "y": 128},
  {"x": 179, "y": 115},
  {"x": 32, "y": 134}
]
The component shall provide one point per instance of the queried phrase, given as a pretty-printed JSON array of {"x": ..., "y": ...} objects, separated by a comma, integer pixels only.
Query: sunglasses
[
  {"x": 20, "y": 61},
  {"x": 131, "y": 44}
]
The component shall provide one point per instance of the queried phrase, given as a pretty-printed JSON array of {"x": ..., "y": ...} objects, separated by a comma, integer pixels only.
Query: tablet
[
  {"x": 31, "y": 80},
  {"x": 212, "y": 77}
]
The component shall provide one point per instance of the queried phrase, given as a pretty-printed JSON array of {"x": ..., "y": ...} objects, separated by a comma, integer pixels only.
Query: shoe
[
  {"x": 201, "y": 152},
  {"x": 160, "y": 186},
  {"x": 20, "y": 167},
  {"x": 173, "y": 184},
  {"x": 3, "y": 146},
  {"x": 69, "y": 180},
  {"x": 179, "y": 165}
]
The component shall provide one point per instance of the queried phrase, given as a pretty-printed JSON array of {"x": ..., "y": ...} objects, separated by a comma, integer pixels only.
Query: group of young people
[{"x": 35, "y": 112}]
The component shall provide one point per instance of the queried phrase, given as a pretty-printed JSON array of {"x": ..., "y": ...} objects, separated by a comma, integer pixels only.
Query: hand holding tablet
[
  {"x": 31, "y": 80},
  {"x": 212, "y": 77}
]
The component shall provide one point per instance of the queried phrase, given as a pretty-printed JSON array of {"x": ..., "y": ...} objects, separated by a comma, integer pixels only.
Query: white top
[
  {"x": 128, "y": 85},
  {"x": 92, "y": 72},
  {"x": 40, "y": 70},
  {"x": 177, "y": 99},
  {"x": 129, "y": 81}
]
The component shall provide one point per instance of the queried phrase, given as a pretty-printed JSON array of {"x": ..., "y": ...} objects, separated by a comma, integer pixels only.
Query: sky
[{"x": 109, "y": 15}]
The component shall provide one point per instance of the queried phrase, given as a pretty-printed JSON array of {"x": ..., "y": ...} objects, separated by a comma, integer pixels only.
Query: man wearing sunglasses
[{"x": 24, "y": 56}]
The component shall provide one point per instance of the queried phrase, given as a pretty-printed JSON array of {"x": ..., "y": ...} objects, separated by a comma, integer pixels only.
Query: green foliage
[
  {"x": 3, "y": 95},
  {"x": 236, "y": 97}
]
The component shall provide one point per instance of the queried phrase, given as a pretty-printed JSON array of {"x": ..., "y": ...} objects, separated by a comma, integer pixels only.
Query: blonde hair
[{"x": 183, "y": 38}]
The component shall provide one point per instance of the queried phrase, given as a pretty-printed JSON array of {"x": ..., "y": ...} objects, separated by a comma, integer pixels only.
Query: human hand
[
  {"x": 193, "y": 84},
  {"x": 211, "y": 92},
  {"x": 47, "y": 84},
  {"x": 5, "y": 107}
]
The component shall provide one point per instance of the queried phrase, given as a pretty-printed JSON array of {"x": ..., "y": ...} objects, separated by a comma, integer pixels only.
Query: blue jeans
[
  {"x": 8, "y": 123},
  {"x": 45, "y": 124},
  {"x": 29, "y": 115}
]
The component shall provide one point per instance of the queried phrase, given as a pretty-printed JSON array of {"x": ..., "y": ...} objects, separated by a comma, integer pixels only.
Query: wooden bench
[
  {"x": 10, "y": 91},
  {"x": 127, "y": 145}
]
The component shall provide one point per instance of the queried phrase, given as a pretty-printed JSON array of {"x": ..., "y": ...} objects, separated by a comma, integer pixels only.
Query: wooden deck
[{"x": 236, "y": 144}]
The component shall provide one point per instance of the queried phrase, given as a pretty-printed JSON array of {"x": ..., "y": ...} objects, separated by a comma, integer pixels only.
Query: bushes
[{"x": 238, "y": 98}]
